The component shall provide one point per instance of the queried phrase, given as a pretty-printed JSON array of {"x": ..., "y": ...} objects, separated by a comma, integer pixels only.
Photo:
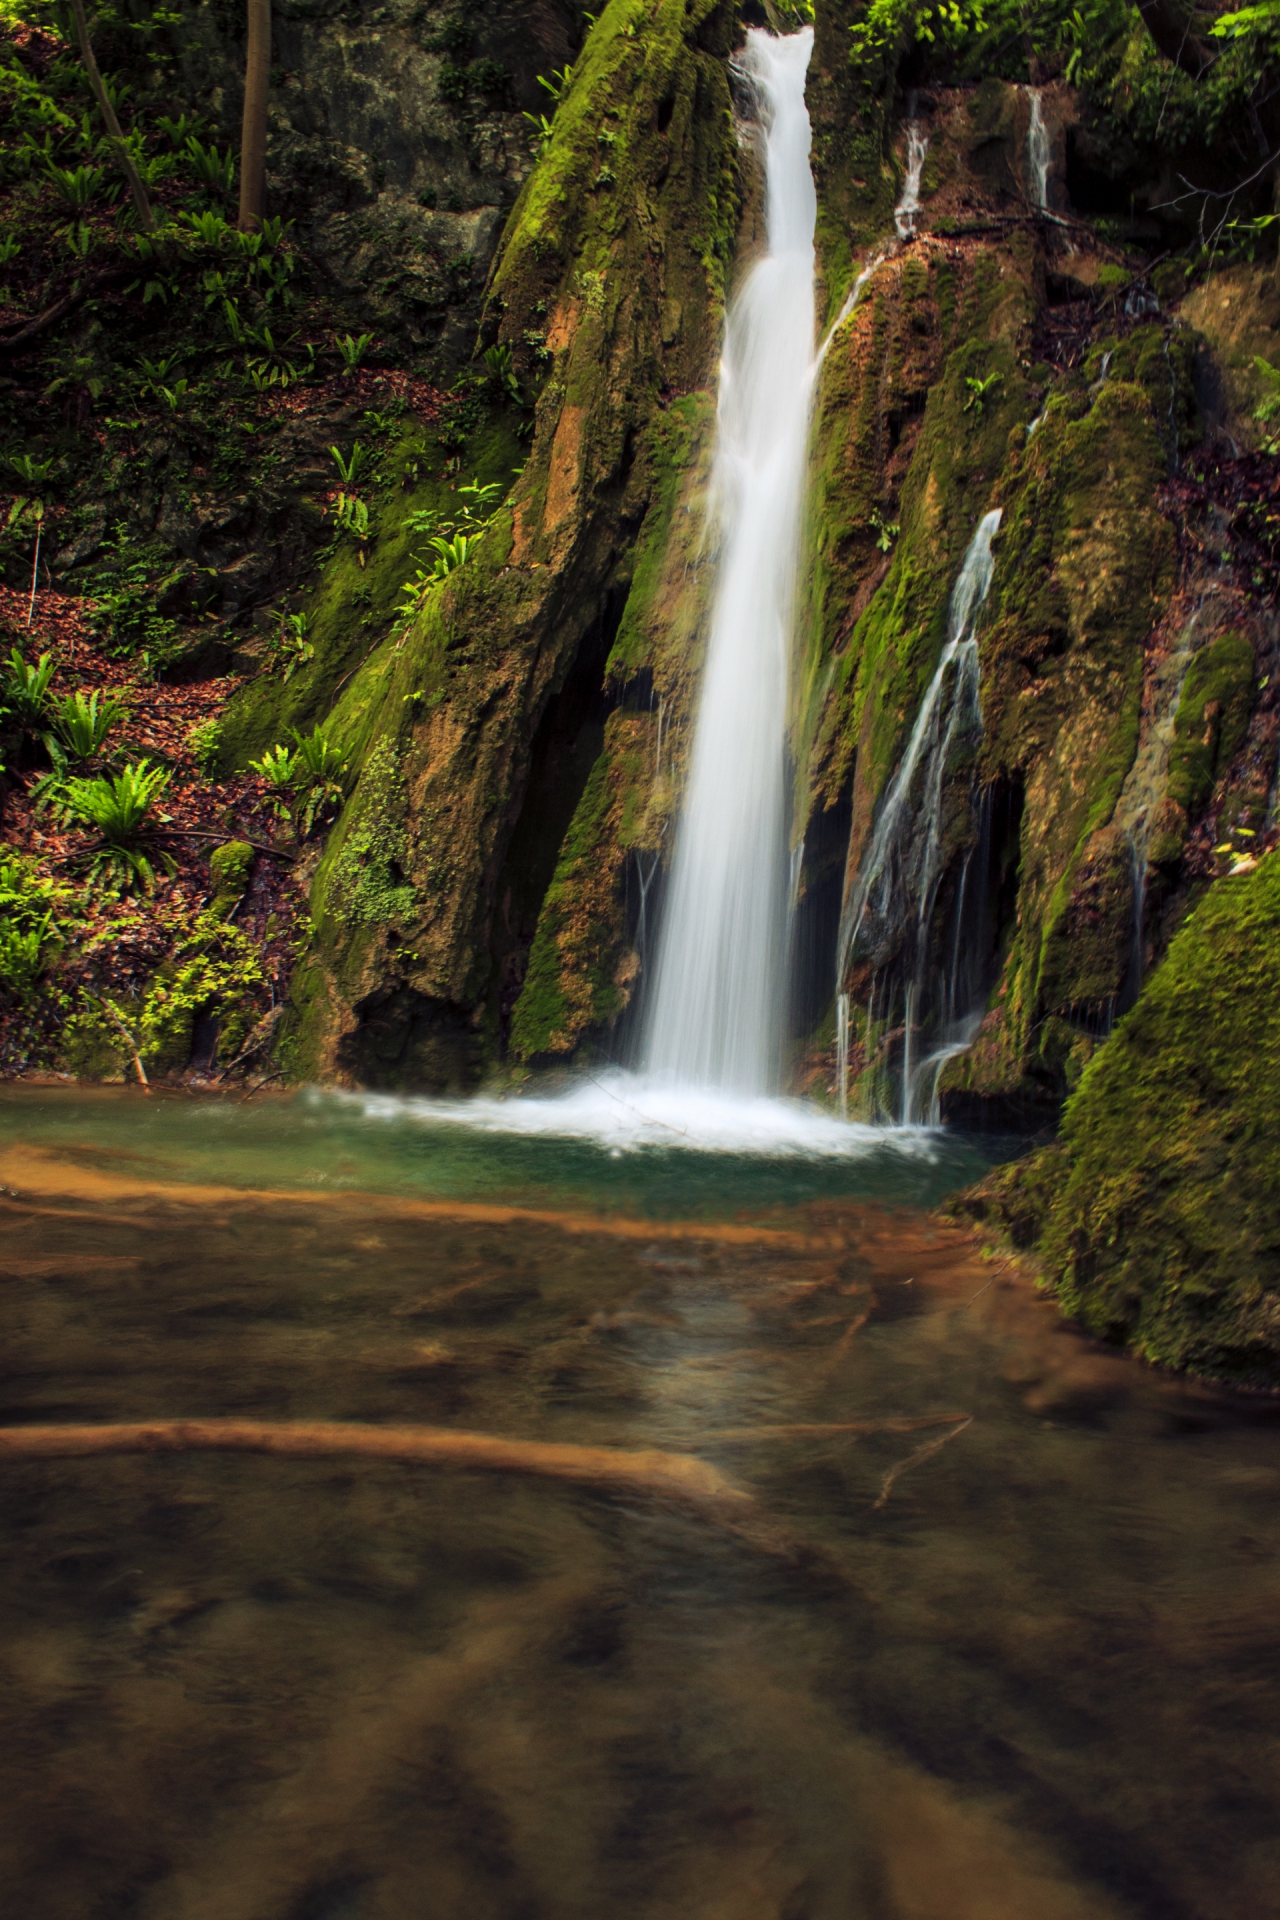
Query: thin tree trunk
[
  {"x": 137, "y": 191},
  {"x": 35, "y": 569},
  {"x": 253, "y": 137}
]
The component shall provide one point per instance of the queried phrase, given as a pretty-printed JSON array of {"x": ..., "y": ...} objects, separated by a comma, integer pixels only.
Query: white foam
[{"x": 623, "y": 1112}]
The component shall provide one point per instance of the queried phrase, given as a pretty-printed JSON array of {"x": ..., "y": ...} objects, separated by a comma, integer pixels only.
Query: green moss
[
  {"x": 352, "y": 607},
  {"x": 365, "y": 881},
  {"x": 566, "y": 987},
  {"x": 1164, "y": 1230},
  {"x": 1212, "y": 719},
  {"x": 229, "y": 869}
]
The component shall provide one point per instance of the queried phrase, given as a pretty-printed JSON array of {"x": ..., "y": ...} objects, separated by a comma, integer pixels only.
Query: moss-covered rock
[
  {"x": 614, "y": 261},
  {"x": 1212, "y": 718},
  {"x": 229, "y": 868},
  {"x": 1157, "y": 1220}
]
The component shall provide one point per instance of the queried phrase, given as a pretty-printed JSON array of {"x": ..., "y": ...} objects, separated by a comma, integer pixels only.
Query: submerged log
[{"x": 669, "y": 1475}]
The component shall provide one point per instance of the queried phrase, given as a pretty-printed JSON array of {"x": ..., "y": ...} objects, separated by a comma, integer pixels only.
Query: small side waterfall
[
  {"x": 904, "y": 214},
  {"x": 716, "y": 1015},
  {"x": 902, "y": 867},
  {"x": 1039, "y": 153}
]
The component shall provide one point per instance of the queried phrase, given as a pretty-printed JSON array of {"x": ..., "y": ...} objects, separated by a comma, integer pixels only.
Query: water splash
[
  {"x": 902, "y": 867},
  {"x": 1039, "y": 153},
  {"x": 904, "y": 214},
  {"x": 715, "y": 1018}
]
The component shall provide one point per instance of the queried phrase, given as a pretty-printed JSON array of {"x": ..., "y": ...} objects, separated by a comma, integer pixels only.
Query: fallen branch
[
  {"x": 197, "y": 833},
  {"x": 11, "y": 342},
  {"x": 913, "y": 1459}
]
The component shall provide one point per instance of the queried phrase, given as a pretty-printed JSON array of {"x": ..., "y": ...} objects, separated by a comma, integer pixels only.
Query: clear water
[{"x": 989, "y": 1632}]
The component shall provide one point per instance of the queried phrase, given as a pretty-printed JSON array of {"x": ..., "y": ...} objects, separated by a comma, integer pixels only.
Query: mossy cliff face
[
  {"x": 946, "y": 393},
  {"x": 1156, "y": 1220},
  {"x": 611, "y": 274}
]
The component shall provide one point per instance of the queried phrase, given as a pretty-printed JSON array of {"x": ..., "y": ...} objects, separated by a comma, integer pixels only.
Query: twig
[
  {"x": 125, "y": 1034},
  {"x": 258, "y": 1039},
  {"x": 898, "y": 1423},
  {"x": 913, "y": 1459}
]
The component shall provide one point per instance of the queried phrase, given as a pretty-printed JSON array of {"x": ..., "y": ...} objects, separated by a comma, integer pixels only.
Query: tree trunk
[
  {"x": 253, "y": 138},
  {"x": 137, "y": 191},
  {"x": 1173, "y": 28}
]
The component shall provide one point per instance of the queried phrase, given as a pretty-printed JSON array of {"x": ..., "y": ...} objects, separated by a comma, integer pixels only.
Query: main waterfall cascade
[
  {"x": 902, "y": 868},
  {"x": 715, "y": 1020}
]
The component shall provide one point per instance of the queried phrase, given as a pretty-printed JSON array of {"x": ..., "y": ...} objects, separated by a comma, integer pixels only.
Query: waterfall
[
  {"x": 718, "y": 1000},
  {"x": 904, "y": 214},
  {"x": 900, "y": 872},
  {"x": 1038, "y": 152}
]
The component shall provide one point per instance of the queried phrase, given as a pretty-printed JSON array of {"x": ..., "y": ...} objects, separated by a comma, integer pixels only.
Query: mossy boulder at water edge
[{"x": 1156, "y": 1220}]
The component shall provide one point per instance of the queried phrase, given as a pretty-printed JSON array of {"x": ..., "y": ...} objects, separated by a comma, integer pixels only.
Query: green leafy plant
[
  {"x": 978, "y": 391},
  {"x": 348, "y": 469},
  {"x": 312, "y": 773},
  {"x": 1267, "y": 411},
  {"x": 78, "y": 186},
  {"x": 32, "y": 473},
  {"x": 83, "y": 722},
  {"x": 203, "y": 743},
  {"x": 352, "y": 516},
  {"x": 212, "y": 169},
  {"x": 542, "y": 128},
  {"x": 206, "y": 229},
  {"x": 886, "y": 531},
  {"x": 450, "y": 554},
  {"x": 10, "y": 248},
  {"x": 24, "y": 691},
  {"x": 291, "y": 643},
  {"x": 29, "y": 908},
  {"x": 502, "y": 371},
  {"x": 353, "y": 350},
  {"x": 557, "y": 84},
  {"x": 120, "y": 809},
  {"x": 276, "y": 767}
]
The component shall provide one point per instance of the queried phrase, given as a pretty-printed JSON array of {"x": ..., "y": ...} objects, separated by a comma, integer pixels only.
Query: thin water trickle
[
  {"x": 1039, "y": 153},
  {"x": 900, "y": 872},
  {"x": 904, "y": 214},
  {"x": 715, "y": 1019}
]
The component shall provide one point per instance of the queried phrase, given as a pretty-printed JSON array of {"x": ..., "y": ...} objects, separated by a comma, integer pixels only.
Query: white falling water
[
  {"x": 1038, "y": 150},
  {"x": 904, "y": 214},
  {"x": 902, "y": 867},
  {"x": 715, "y": 1018}
]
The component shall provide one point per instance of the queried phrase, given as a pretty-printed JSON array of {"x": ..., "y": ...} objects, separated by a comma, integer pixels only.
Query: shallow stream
[{"x": 829, "y": 1577}]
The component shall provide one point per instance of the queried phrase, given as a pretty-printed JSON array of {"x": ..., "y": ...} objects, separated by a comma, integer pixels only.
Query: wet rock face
[{"x": 397, "y": 141}]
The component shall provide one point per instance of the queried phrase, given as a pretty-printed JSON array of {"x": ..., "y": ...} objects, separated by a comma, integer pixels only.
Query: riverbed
[{"x": 821, "y": 1573}]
